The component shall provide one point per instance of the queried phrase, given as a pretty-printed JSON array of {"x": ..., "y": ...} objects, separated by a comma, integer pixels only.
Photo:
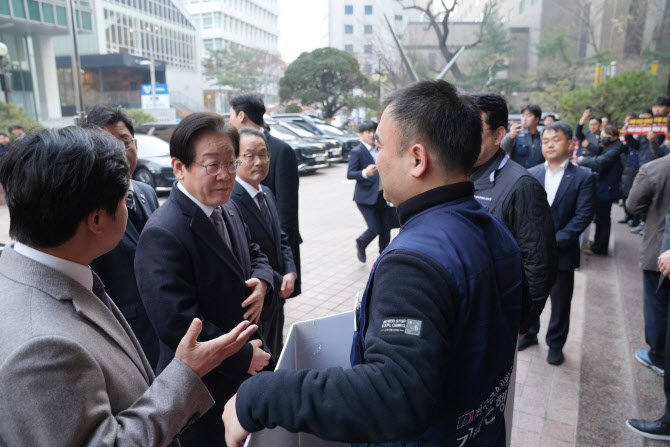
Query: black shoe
[
  {"x": 650, "y": 429},
  {"x": 527, "y": 341},
  {"x": 555, "y": 356},
  {"x": 360, "y": 252}
]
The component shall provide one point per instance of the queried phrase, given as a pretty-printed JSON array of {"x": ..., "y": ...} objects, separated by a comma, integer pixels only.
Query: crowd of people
[{"x": 125, "y": 322}]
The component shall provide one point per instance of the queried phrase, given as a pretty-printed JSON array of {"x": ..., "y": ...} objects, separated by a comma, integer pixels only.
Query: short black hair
[
  {"x": 255, "y": 132},
  {"x": 367, "y": 125},
  {"x": 646, "y": 110},
  {"x": 54, "y": 179},
  {"x": 4, "y": 134},
  {"x": 193, "y": 127},
  {"x": 445, "y": 120},
  {"x": 15, "y": 126},
  {"x": 494, "y": 108},
  {"x": 662, "y": 101},
  {"x": 550, "y": 115},
  {"x": 534, "y": 109},
  {"x": 597, "y": 118},
  {"x": 560, "y": 126},
  {"x": 104, "y": 115},
  {"x": 252, "y": 105}
]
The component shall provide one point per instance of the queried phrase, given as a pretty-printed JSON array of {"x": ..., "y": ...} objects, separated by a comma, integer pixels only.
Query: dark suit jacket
[
  {"x": 367, "y": 189},
  {"x": 116, "y": 269},
  {"x": 572, "y": 211},
  {"x": 283, "y": 180},
  {"x": 185, "y": 270},
  {"x": 274, "y": 244}
]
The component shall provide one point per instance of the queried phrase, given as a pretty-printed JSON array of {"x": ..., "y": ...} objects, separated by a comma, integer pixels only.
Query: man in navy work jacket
[
  {"x": 368, "y": 194},
  {"x": 439, "y": 317},
  {"x": 571, "y": 193}
]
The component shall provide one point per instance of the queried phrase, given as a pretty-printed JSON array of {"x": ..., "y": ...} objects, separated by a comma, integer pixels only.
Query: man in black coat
[
  {"x": 570, "y": 193},
  {"x": 115, "y": 268},
  {"x": 196, "y": 258},
  {"x": 259, "y": 211},
  {"x": 369, "y": 193},
  {"x": 510, "y": 193},
  {"x": 247, "y": 110}
]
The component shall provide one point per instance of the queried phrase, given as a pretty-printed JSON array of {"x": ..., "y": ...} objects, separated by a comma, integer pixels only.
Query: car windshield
[
  {"x": 297, "y": 128},
  {"x": 148, "y": 146},
  {"x": 281, "y": 132},
  {"x": 330, "y": 129}
]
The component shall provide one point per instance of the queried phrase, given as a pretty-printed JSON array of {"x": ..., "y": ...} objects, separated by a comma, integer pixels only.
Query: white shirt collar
[
  {"x": 367, "y": 146},
  {"x": 80, "y": 273},
  {"x": 205, "y": 208},
  {"x": 561, "y": 167},
  {"x": 250, "y": 189}
]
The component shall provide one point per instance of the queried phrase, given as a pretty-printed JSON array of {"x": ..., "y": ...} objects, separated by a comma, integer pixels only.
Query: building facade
[
  {"x": 249, "y": 24},
  {"x": 28, "y": 29},
  {"x": 116, "y": 59}
]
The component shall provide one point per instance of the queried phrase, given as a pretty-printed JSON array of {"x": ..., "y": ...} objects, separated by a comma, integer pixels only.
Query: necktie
[
  {"x": 134, "y": 214},
  {"x": 220, "y": 226},
  {"x": 99, "y": 290},
  {"x": 264, "y": 209}
]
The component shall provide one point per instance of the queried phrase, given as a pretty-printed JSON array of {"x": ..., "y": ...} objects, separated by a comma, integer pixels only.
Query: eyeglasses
[
  {"x": 214, "y": 168},
  {"x": 251, "y": 157},
  {"x": 129, "y": 143}
]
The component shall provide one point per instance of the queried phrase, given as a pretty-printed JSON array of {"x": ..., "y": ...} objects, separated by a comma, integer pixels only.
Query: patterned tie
[
  {"x": 99, "y": 290},
  {"x": 264, "y": 209},
  {"x": 220, "y": 226},
  {"x": 134, "y": 214}
]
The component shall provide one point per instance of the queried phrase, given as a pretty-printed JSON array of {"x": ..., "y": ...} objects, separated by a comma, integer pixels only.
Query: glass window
[
  {"x": 348, "y": 9},
  {"x": 522, "y": 6},
  {"x": 367, "y": 49},
  {"x": 34, "y": 10},
  {"x": 398, "y": 18},
  {"x": 86, "y": 22},
  {"x": 4, "y": 7},
  {"x": 368, "y": 10},
  {"x": 349, "y": 47},
  {"x": 368, "y": 29},
  {"x": 19, "y": 10},
  {"x": 61, "y": 15},
  {"x": 348, "y": 29},
  {"x": 48, "y": 13}
]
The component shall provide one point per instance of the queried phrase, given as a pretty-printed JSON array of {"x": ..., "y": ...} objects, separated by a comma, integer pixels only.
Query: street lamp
[
  {"x": 152, "y": 65},
  {"x": 3, "y": 82}
]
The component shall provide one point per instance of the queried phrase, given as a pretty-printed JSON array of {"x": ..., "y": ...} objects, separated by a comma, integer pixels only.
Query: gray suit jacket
[
  {"x": 651, "y": 194},
  {"x": 72, "y": 373}
]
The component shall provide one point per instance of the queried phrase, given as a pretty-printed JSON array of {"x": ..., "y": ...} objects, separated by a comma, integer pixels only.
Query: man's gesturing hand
[
  {"x": 664, "y": 263},
  {"x": 202, "y": 357},
  {"x": 259, "y": 359},
  {"x": 255, "y": 300},
  {"x": 235, "y": 434}
]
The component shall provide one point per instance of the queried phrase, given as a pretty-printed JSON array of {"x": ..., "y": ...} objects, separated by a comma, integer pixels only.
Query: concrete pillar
[{"x": 47, "y": 81}]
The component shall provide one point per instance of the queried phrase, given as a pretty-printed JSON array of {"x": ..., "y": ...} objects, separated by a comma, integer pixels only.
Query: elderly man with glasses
[{"x": 195, "y": 257}]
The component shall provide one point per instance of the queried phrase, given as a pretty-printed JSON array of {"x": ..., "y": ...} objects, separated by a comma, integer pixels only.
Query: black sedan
[{"x": 154, "y": 165}]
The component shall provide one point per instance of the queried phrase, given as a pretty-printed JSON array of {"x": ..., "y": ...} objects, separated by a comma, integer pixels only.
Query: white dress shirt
[
  {"x": 552, "y": 179},
  {"x": 80, "y": 273},
  {"x": 373, "y": 151},
  {"x": 205, "y": 208},
  {"x": 253, "y": 192}
]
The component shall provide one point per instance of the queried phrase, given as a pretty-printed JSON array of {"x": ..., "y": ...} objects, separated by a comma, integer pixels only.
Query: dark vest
[
  {"x": 525, "y": 153},
  {"x": 460, "y": 236},
  {"x": 492, "y": 188}
]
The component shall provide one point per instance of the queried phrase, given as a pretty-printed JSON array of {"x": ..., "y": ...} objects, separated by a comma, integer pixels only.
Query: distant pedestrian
[
  {"x": 17, "y": 131},
  {"x": 570, "y": 192},
  {"x": 588, "y": 141},
  {"x": 607, "y": 165},
  {"x": 523, "y": 143},
  {"x": 369, "y": 192},
  {"x": 548, "y": 119},
  {"x": 4, "y": 142},
  {"x": 651, "y": 194}
]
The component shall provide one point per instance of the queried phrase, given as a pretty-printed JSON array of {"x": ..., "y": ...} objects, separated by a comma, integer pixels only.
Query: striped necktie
[{"x": 264, "y": 209}]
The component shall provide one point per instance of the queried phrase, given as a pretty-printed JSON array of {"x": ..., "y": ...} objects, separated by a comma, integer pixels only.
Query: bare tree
[{"x": 439, "y": 22}]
